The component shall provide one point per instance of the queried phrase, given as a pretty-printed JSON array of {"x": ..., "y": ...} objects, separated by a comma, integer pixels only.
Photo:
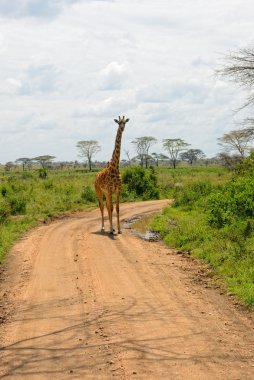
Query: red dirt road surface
[{"x": 78, "y": 304}]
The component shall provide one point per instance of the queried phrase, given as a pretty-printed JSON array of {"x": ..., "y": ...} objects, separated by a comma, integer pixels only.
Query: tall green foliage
[{"x": 142, "y": 182}]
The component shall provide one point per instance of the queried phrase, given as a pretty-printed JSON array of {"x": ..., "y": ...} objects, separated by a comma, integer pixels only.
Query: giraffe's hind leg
[
  {"x": 100, "y": 198},
  {"x": 118, "y": 210}
]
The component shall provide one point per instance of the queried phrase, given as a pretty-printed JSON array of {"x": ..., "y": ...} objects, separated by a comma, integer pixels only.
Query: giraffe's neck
[{"x": 116, "y": 153}]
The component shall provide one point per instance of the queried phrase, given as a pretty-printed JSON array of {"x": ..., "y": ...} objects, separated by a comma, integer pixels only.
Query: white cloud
[
  {"x": 68, "y": 67},
  {"x": 40, "y": 79},
  {"x": 114, "y": 76}
]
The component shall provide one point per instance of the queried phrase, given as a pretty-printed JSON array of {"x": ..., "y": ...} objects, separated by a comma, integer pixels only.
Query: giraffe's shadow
[{"x": 106, "y": 234}]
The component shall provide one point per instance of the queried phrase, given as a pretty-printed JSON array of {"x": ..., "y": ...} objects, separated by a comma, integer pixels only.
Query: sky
[{"x": 69, "y": 67}]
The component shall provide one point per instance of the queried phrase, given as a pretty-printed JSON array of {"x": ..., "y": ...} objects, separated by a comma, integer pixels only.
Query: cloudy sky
[{"x": 68, "y": 67}]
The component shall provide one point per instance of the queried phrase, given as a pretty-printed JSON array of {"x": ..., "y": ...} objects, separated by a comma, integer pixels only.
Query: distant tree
[
  {"x": 174, "y": 148},
  {"x": 44, "y": 160},
  {"x": 24, "y": 161},
  {"x": 192, "y": 155},
  {"x": 158, "y": 157},
  {"x": 128, "y": 156},
  {"x": 8, "y": 166},
  {"x": 142, "y": 146},
  {"x": 87, "y": 149},
  {"x": 237, "y": 141},
  {"x": 229, "y": 161}
]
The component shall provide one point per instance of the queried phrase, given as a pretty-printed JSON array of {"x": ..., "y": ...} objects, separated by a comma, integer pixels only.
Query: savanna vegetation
[{"x": 213, "y": 218}]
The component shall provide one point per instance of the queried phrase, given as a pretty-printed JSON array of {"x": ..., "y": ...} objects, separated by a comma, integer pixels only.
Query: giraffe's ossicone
[{"x": 108, "y": 181}]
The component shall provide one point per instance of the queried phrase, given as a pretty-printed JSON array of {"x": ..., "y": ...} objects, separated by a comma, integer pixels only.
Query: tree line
[{"x": 236, "y": 146}]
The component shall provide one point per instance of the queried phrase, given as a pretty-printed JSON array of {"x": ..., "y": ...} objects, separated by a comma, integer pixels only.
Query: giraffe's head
[{"x": 121, "y": 121}]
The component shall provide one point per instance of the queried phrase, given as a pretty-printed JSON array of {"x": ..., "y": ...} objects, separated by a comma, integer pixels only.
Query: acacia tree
[
  {"x": 158, "y": 157},
  {"x": 192, "y": 155},
  {"x": 44, "y": 160},
  {"x": 229, "y": 161},
  {"x": 24, "y": 161},
  {"x": 8, "y": 166},
  {"x": 174, "y": 147},
  {"x": 87, "y": 149},
  {"x": 237, "y": 141},
  {"x": 142, "y": 146}
]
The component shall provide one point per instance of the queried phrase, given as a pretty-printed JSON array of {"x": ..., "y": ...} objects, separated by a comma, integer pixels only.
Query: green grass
[
  {"x": 212, "y": 217},
  {"x": 25, "y": 200},
  {"x": 10, "y": 231},
  {"x": 232, "y": 259},
  {"x": 171, "y": 179}
]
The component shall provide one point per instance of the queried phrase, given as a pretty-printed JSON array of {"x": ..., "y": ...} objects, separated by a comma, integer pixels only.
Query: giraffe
[{"x": 109, "y": 181}]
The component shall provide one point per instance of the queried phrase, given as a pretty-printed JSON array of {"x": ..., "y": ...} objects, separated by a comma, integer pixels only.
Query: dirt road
[{"x": 84, "y": 305}]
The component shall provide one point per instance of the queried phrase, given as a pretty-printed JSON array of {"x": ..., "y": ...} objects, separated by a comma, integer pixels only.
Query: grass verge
[{"x": 230, "y": 257}]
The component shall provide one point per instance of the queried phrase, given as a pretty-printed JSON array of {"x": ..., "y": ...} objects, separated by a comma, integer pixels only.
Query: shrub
[
  {"x": 235, "y": 200},
  {"x": 189, "y": 194},
  {"x": 246, "y": 168},
  {"x": 126, "y": 195},
  {"x": 42, "y": 172},
  {"x": 17, "y": 204},
  {"x": 4, "y": 189},
  {"x": 89, "y": 195},
  {"x": 26, "y": 175},
  {"x": 4, "y": 209},
  {"x": 142, "y": 182}
]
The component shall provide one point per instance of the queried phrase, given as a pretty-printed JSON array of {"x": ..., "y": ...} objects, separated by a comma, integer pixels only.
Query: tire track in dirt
[{"x": 87, "y": 305}]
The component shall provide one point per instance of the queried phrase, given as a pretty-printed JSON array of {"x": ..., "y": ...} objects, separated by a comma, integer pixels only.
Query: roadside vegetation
[
  {"x": 212, "y": 215},
  {"x": 213, "y": 219},
  {"x": 28, "y": 198}
]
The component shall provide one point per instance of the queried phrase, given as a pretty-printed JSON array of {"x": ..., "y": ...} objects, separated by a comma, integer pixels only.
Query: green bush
[
  {"x": 193, "y": 192},
  {"x": 42, "y": 172},
  {"x": 234, "y": 201},
  {"x": 126, "y": 195},
  {"x": 246, "y": 168},
  {"x": 5, "y": 209},
  {"x": 142, "y": 182},
  {"x": 4, "y": 190},
  {"x": 17, "y": 204},
  {"x": 88, "y": 195}
]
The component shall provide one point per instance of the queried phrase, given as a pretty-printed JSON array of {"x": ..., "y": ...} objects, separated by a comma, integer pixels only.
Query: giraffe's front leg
[{"x": 110, "y": 212}]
